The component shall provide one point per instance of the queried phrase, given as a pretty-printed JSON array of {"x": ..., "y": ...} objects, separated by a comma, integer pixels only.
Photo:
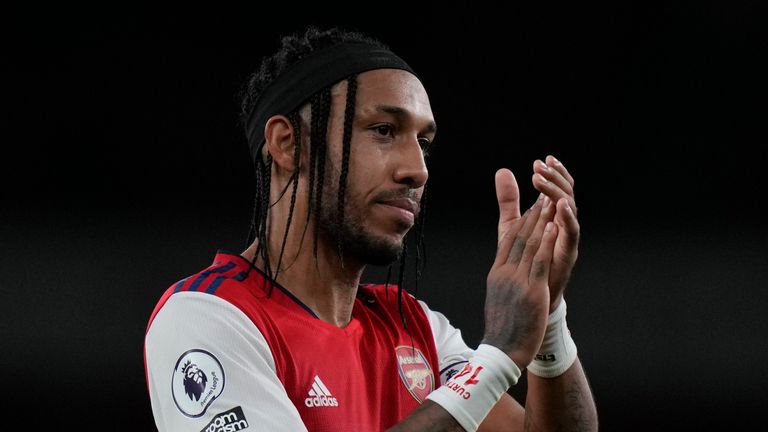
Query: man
[{"x": 283, "y": 337}]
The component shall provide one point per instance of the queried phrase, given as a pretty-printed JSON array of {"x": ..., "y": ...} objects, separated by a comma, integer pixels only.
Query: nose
[{"x": 411, "y": 169}]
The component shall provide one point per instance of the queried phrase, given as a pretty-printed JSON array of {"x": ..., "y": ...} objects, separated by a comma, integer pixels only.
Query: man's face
[{"x": 393, "y": 122}]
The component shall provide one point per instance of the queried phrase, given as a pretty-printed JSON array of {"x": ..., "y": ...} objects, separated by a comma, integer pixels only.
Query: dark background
[{"x": 124, "y": 169}]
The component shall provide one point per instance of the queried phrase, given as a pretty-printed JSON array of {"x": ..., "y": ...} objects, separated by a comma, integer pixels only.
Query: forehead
[{"x": 391, "y": 87}]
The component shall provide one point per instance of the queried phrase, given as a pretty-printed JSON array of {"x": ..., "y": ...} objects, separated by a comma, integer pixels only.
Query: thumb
[{"x": 508, "y": 195}]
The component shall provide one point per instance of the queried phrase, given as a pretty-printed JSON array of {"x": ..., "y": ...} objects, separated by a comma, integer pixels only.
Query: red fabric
[{"x": 373, "y": 384}]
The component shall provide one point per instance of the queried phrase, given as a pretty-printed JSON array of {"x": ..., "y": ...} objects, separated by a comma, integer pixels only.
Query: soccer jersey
[{"x": 225, "y": 350}]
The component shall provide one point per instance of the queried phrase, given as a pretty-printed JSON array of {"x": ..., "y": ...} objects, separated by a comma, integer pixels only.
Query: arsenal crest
[{"x": 415, "y": 372}]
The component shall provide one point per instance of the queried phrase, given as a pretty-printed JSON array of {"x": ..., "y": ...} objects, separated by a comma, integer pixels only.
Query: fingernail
[
  {"x": 557, "y": 162},
  {"x": 543, "y": 165},
  {"x": 546, "y": 202},
  {"x": 568, "y": 207},
  {"x": 549, "y": 226},
  {"x": 543, "y": 179}
]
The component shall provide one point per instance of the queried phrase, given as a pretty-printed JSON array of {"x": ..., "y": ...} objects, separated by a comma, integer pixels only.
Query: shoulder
[
  {"x": 224, "y": 279},
  {"x": 202, "y": 308},
  {"x": 204, "y": 356}
]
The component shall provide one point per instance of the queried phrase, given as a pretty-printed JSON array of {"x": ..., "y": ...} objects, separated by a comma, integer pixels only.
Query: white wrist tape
[
  {"x": 558, "y": 351},
  {"x": 471, "y": 393}
]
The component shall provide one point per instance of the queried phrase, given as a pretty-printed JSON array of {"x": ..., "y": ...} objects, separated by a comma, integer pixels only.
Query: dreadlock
[
  {"x": 294, "y": 48},
  {"x": 321, "y": 108},
  {"x": 349, "y": 115}
]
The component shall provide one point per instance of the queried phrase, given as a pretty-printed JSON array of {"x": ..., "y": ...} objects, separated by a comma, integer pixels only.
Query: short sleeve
[
  {"x": 452, "y": 351},
  {"x": 210, "y": 368}
]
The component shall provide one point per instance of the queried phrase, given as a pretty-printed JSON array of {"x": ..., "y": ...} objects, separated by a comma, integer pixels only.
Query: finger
[
  {"x": 553, "y": 176},
  {"x": 542, "y": 260},
  {"x": 552, "y": 190},
  {"x": 560, "y": 168},
  {"x": 508, "y": 196},
  {"x": 507, "y": 239},
  {"x": 568, "y": 224},
  {"x": 534, "y": 240},
  {"x": 521, "y": 237}
]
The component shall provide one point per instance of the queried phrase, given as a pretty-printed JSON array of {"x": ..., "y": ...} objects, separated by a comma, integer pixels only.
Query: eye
[
  {"x": 384, "y": 129},
  {"x": 424, "y": 143}
]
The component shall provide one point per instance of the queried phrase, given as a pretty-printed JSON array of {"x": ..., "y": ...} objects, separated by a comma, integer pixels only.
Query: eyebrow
[{"x": 403, "y": 113}]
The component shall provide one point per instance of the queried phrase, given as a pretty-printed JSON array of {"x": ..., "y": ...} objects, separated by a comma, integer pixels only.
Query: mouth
[
  {"x": 403, "y": 210},
  {"x": 406, "y": 204}
]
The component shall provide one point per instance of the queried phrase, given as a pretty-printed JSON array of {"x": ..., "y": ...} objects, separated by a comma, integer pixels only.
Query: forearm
[
  {"x": 429, "y": 417},
  {"x": 563, "y": 403}
]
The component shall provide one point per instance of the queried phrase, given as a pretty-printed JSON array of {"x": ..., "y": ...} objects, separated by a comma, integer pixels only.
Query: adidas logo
[{"x": 319, "y": 395}]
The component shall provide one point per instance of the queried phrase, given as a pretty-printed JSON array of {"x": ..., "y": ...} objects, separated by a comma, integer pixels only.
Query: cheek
[
  {"x": 368, "y": 172},
  {"x": 368, "y": 160}
]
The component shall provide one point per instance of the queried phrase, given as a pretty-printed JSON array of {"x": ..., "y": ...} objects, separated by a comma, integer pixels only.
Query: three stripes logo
[{"x": 319, "y": 395}]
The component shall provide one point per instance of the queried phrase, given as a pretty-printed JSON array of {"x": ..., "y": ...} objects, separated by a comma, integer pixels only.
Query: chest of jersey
[{"x": 363, "y": 377}]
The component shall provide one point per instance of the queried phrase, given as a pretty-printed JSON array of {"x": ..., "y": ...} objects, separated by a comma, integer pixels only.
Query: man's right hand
[{"x": 517, "y": 297}]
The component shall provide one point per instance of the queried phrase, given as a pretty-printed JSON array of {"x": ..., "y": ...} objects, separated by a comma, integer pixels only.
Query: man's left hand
[{"x": 553, "y": 180}]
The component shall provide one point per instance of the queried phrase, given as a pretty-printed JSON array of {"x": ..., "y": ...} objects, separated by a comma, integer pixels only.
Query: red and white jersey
[{"x": 224, "y": 352}]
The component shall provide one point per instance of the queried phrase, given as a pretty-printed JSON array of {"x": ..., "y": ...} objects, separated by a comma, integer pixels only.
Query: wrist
[
  {"x": 558, "y": 350},
  {"x": 520, "y": 357},
  {"x": 556, "y": 303},
  {"x": 469, "y": 395}
]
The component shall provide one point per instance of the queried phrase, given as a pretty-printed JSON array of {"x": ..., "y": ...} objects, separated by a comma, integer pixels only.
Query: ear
[{"x": 278, "y": 136}]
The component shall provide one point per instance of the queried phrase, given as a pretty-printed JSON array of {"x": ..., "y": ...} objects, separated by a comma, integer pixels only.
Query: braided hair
[{"x": 293, "y": 48}]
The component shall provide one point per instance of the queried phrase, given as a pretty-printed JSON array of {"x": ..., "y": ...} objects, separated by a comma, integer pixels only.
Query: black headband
[{"x": 318, "y": 70}]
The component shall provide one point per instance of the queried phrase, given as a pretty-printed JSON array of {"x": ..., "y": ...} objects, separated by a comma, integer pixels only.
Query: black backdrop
[{"x": 124, "y": 169}]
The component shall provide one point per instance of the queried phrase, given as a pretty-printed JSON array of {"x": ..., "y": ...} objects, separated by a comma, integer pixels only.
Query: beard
[{"x": 352, "y": 237}]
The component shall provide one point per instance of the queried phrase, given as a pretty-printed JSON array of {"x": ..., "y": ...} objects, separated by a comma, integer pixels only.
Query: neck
[{"x": 323, "y": 283}]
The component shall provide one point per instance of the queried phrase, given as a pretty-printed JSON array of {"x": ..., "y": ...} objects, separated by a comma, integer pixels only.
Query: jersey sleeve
[
  {"x": 209, "y": 368},
  {"x": 452, "y": 351}
]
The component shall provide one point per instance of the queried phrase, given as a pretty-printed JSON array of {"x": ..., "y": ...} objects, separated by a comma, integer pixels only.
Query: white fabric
[
  {"x": 452, "y": 352},
  {"x": 558, "y": 350},
  {"x": 470, "y": 395},
  {"x": 192, "y": 320}
]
